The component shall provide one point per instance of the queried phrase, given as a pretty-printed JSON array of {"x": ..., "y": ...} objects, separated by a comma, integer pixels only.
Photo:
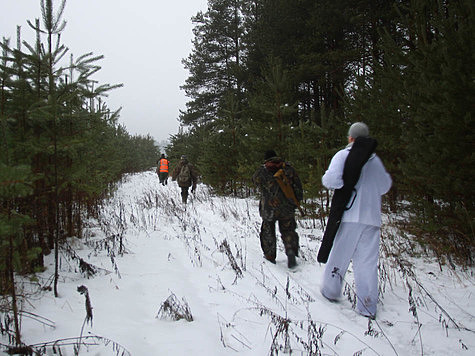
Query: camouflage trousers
[
  {"x": 290, "y": 238},
  {"x": 184, "y": 194}
]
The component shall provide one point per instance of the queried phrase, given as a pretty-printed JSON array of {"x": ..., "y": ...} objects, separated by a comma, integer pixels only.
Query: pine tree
[
  {"x": 417, "y": 103},
  {"x": 54, "y": 121},
  {"x": 215, "y": 62},
  {"x": 439, "y": 130}
]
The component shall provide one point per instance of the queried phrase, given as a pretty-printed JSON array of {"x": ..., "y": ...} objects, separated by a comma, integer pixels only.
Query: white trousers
[{"x": 360, "y": 243}]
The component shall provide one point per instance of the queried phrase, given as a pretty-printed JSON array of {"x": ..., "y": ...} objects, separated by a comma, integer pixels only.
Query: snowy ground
[{"x": 208, "y": 258}]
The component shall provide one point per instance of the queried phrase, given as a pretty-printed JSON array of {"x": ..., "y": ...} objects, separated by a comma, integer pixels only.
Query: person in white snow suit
[{"x": 358, "y": 234}]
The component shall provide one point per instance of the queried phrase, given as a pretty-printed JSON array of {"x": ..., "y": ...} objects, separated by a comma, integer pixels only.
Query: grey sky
[{"x": 143, "y": 42}]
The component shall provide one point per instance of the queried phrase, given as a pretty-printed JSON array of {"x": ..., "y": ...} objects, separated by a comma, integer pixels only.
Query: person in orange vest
[{"x": 162, "y": 170}]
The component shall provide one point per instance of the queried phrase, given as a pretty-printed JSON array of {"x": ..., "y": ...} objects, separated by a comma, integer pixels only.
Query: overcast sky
[{"x": 143, "y": 42}]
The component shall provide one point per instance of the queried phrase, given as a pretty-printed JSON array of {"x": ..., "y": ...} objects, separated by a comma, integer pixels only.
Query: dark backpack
[{"x": 184, "y": 177}]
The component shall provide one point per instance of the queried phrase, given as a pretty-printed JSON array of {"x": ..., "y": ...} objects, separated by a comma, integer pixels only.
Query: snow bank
[{"x": 148, "y": 246}]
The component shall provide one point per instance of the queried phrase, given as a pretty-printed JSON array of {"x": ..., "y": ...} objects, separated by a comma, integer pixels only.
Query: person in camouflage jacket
[
  {"x": 190, "y": 182},
  {"x": 274, "y": 207}
]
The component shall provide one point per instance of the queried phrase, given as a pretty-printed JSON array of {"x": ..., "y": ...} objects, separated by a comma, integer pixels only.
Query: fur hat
[{"x": 358, "y": 129}]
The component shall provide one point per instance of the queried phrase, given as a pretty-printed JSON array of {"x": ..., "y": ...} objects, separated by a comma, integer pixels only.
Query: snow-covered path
[{"x": 208, "y": 253}]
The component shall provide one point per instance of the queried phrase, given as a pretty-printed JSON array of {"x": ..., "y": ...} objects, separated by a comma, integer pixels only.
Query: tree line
[
  {"x": 293, "y": 75},
  {"x": 62, "y": 149}
]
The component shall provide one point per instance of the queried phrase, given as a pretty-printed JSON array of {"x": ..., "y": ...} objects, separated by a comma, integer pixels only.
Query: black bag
[{"x": 360, "y": 152}]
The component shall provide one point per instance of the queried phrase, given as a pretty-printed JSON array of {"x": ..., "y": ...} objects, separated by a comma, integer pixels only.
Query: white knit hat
[{"x": 358, "y": 129}]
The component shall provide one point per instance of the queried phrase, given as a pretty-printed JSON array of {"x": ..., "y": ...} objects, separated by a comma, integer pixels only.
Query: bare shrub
[
  {"x": 281, "y": 336},
  {"x": 86, "y": 269},
  {"x": 173, "y": 309},
  {"x": 60, "y": 346},
  {"x": 224, "y": 248},
  {"x": 84, "y": 291},
  {"x": 230, "y": 337}
]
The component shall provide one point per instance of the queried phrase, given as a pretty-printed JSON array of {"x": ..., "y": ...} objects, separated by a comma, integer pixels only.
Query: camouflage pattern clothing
[
  {"x": 193, "y": 181},
  {"x": 274, "y": 207}
]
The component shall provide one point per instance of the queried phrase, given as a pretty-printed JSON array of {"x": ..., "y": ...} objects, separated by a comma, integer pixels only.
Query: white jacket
[{"x": 373, "y": 183}]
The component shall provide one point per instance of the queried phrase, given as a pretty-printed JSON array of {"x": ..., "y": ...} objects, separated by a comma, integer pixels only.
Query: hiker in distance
[
  {"x": 186, "y": 176},
  {"x": 281, "y": 192},
  {"x": 162, "y": 170},
  {"x": 353, "y": 229}
]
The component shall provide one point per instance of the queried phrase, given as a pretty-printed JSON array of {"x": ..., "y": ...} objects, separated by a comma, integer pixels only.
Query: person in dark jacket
[
  {"x": 186, "y": 175},
  {"x": 274, "y": 206}
]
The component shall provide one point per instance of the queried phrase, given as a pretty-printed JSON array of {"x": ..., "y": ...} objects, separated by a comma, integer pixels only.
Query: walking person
[
  {"x": 186, "y": 175},
  {"x": 162, "y": 170},
  {"x": 358, "y": 171},
  {"x": 281, "y": 192}
]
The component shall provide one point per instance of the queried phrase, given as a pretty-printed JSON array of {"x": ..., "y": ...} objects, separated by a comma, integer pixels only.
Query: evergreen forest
[
  {"x": 293, "y": 76},
  {"x": 62, "y": 149},
  {"x": 288, "y": 75}
]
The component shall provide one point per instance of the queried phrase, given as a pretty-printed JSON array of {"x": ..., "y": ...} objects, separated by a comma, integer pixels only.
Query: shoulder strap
[{"x": 286, "y": 187}]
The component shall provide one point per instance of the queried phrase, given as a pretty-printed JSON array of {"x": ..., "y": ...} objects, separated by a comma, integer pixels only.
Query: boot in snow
[{"x": 291, "y": 262}]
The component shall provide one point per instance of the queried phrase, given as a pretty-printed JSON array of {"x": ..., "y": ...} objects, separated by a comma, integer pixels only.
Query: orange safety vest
[{"x": 163, "y": 165}]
